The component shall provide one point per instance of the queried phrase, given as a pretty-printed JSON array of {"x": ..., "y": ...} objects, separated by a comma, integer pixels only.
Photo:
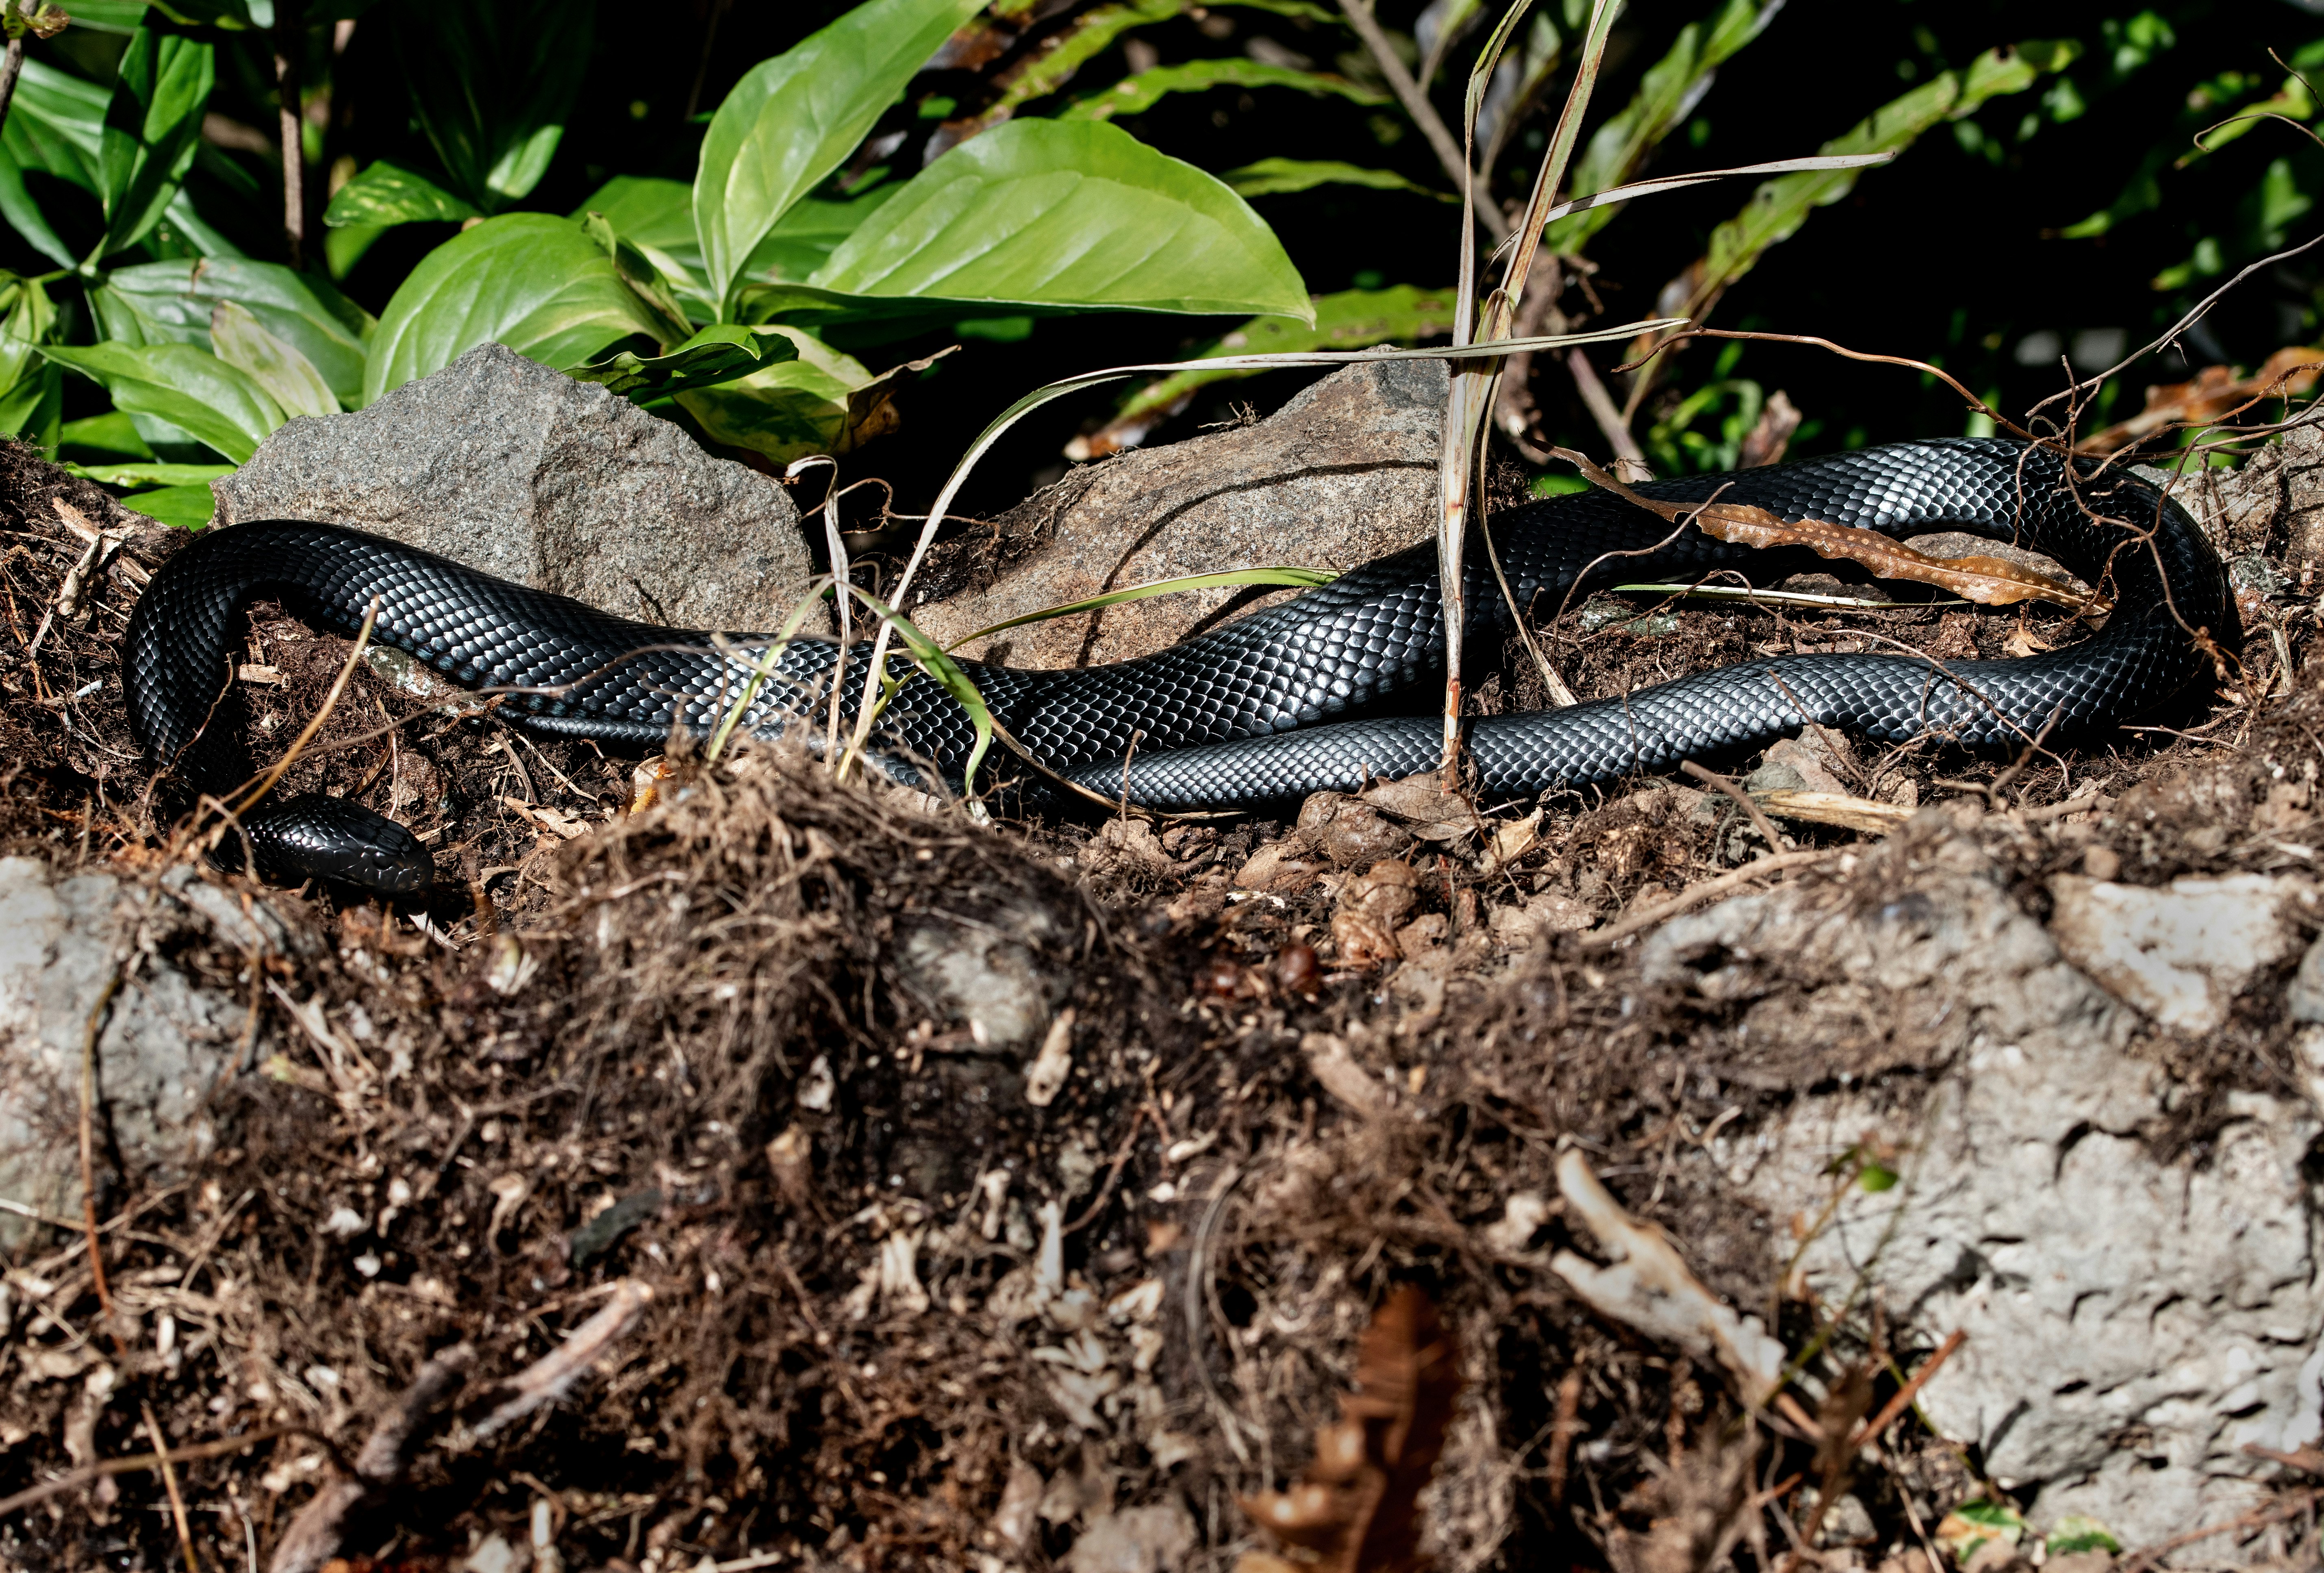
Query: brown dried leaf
[
  {"x": 1989, "y": 580},
  {"x": 1358, "y": 1506},
  {"x": 2215, "y": 392}
]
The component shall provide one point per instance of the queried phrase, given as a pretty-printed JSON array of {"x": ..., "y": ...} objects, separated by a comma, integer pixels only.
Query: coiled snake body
[{"x": 1299, "y": 698}]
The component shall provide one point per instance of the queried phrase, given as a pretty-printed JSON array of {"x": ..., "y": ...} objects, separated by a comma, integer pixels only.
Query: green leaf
[
  {"x": 188, "y": 387},
  {"x": 290, "y": 378},
  {"x": 109, "y": 16},
  {"x": 793, "y": 119},
  {"x": 1084, "y": 214},
  {"x": 531, "y": 282},
  {"x": 632, "y": 268},
  {"x": 388, "y": 193},
  {"x": 1875, "y": 1177},
  {"x": 149, "y": 475},
  {"x": 1066, "y": 51},
  {"x": 1348, "y": 319},
  {"x": 30, "y": 318},
  {"x": 1136, "y": 95},
  {"x": 2078, "y": 1533},
  {"x": 788, "y": 410},
  {"x": 491, "y": 86},
  {"x": 56, "y": 122},
  {"x": 150, "y": 125},
  {"x": 1270, "y": 177},
  {"x": 111, "y": 435},
  {"x": 172, "y": 302},
  {"x": 655, "y": 214},
  {"x": 809, "y": 233},
  {"x": 187, "y": 507},
  {"x": 33, "y": 406},
  {"x": 930, "y": 658},
  {"x": 1778, "y": 208},
  {"x": 721, "y": 353},
  {"x": 1667, "y": 95}
]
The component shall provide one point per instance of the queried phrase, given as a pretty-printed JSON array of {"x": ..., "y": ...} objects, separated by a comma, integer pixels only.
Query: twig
[
  {"x": 288, "y": 38},
  {"x": 1695, "y": 895},
  {"x": 1759, "y": 820},
  {"x": 12, "y": 64},
  {"x": 1979, "y": 405},
  {"x": 550, "y": 1378},
  {"x": 136, "y": 1463},
  {"x": 170, "y": 1484},
  {"x": 1608, "y": 414},
  {"x": 90, "y": 1031},
  {"x": 1563, "y": 1431},
  {"x": 1416, "y": 105},
  {"x": 1909, "y": 1391},
  {"x": 314, "y": 1535},
  {"x": 2285, "y": 1509},
  {"x": 2025, "y": 757}
]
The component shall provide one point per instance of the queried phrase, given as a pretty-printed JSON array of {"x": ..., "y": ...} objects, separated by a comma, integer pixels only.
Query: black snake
[{"x": 1322, "y": 691}]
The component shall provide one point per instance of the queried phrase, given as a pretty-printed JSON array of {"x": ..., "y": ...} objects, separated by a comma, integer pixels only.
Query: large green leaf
[
  {"x": 491, "y": 86},
  {"x": 32, "y": 407},
  {"x": 56, "y": 122},
  {"x": 151, "y": 126},
  {"x": 1039, "y": 211},
  {"x": 722, "y": 352},
  {"x": 188, "y": 387},
  {"x": 387, "y": 193},
  {"x": 793, "y": 119},
  {"x": 533, "y": 282},
  {"x": 809, "y": 233},
  {"x": 172, "y": 302},
  {"x": 1271, "y": 176},
  {"x": 788, "y": 410},
  {"x": 1136, "y": 95},
  {"x": 290, "y": 378},
  {"x": 188, "y": 507}
]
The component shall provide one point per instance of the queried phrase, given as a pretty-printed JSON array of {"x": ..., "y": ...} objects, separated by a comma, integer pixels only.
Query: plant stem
[
  {"x": 12, "y": 65},
  {"x": 288, "y": 37},
  {"x": 1416, "y": 105}
]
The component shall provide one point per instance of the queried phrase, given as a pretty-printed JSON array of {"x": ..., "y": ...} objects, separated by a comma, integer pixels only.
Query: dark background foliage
[{"x": 1955, "y": 254}]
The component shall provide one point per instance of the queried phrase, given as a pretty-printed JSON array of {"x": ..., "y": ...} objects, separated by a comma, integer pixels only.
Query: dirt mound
[{"x": 900, "y": 1189}]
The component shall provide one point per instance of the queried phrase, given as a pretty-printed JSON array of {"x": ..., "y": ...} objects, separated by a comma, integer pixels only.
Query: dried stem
[
  {"x": 12, "y": 66},
  {"x": 1759, "y": 820},
  {"x": 314, "y": 1536},
  {"x": 1416, "y": 105},
  {"x": 170, "y": 1484},
  {"x": 288, "y": 38}
]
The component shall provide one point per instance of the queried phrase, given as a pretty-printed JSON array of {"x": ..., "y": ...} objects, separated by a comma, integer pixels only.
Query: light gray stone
[
  {"x": 1344, "y": 473},
  {"x": 165, "y": 1043},
  {"x": 502, "y": 463},
  {"x": 2305, "y": 997},
  {"x": 2181, "y": 952},
  {"x": 1136, "y": 1540},
  {"x": 2131, "y": 1323}
]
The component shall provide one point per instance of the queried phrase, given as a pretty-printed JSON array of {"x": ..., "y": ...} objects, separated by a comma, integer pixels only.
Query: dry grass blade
[
  {"x": 1358, "y": 1506},
  {"x": 1988, "y": 581}
]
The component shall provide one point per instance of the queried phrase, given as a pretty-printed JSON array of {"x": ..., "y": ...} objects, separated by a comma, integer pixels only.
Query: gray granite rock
[
  {"x": 1343, "y": 472},
  {"x": 2133, "y": 1320},
  {"x": 165, "y": 1040},
  {"x": 498, "y": 462}
]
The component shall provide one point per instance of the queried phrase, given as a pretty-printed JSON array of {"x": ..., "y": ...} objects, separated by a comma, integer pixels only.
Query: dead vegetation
[{"x": 927, "y": 1193}]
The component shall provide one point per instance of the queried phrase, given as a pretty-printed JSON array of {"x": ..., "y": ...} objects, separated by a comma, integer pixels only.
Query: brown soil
[{"x": 694, "y": 1048}]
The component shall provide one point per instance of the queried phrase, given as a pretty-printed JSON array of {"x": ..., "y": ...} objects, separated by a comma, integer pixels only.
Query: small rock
[
  {"x": 1349, "y": 831},
  {"x": 2181, "y": 953},
  {"x": 1520, "y": 927},
  {"x": 1134, "y": 1540},
  {"x": 502, "y": 463},
  {"x": 1795, "y": 764},
  {"x": 1342, "y": 474},
  {"x": 166, "y": 1041},
  {"x": 2305, "y": 997}
]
